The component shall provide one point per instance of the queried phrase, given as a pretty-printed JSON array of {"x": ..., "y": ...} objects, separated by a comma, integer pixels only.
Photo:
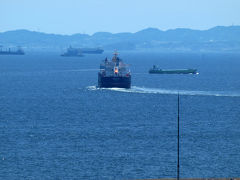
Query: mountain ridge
[{"x": 216, "y": 38}]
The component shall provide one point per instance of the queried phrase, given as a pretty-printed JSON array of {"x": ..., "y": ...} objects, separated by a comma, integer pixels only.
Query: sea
[{"x": 55, "y": 123}]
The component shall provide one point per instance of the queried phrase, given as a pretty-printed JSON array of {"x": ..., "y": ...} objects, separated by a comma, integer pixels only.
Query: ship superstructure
[
  {"x": 114, "y": 73},
  {"x": 73, "y": 52}
]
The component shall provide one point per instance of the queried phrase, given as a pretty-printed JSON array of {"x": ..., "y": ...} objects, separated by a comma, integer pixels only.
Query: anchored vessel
[
  {"x": 19, "y": 51},
  {"x": 114, "y": 73},
  {"x": 155, "y": 70},
  {"x": 91, "y": 50},
  {"x": 78, "y": 52},
  {"x": 73, "y": 52}
]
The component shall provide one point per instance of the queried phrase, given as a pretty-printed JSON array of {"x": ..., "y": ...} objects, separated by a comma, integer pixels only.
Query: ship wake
[{"x": 135, "y": 89}]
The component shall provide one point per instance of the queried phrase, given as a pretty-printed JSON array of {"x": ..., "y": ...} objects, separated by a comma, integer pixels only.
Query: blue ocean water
[{"x": 55, "y": 123}]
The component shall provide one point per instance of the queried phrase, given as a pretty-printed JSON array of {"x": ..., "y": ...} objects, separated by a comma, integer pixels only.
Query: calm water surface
[{"x": 55, "y": 123}]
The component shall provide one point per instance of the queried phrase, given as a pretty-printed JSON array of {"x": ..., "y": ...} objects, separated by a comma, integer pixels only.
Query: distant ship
[
  {"x": 114, "y": 73},
  {"x": 19, "y": 51},
  {"x": 155, "y": 70},
  {"x": 73, "y": 52},
  {"x": 91, "y": 50},
  {"x": 80, "y": 51}
]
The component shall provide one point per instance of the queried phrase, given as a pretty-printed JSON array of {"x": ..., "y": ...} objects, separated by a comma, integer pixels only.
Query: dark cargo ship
[
  {"x": 19, "y": 51},
  {"x": 114, "y": 73},
  {"x": 155, "y": 70}
]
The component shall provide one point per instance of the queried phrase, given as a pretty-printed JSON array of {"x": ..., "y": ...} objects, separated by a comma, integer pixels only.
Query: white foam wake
[{"x": 135, "y": 89}]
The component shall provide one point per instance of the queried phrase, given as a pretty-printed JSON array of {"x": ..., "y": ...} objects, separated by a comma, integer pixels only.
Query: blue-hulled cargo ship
[{"x": 114, "y": 73}]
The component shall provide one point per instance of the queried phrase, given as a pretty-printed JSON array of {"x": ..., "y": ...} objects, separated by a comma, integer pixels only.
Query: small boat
[{"x": 156, "y": 70}]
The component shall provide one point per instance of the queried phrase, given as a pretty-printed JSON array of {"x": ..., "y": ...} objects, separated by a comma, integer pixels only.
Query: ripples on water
[{"x": 56, "y": 124}]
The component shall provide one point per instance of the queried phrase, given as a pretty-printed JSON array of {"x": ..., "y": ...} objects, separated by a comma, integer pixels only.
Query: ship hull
[
  {"x": 71, "y": 55},
  {"x": 111, "y": 82},
  {"x": 91, "y": 51},
  {"x": 186, "y": 71}
]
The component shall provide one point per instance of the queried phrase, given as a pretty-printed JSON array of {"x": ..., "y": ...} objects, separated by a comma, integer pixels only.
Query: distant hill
[{"x": 219, "y": 38}]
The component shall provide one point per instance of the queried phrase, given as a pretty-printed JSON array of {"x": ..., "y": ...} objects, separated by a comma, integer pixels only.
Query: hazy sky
[{"x": 89, "y": 16}]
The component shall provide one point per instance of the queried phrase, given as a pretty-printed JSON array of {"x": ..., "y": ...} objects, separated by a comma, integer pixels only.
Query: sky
[{"x": 90, "y": 16}]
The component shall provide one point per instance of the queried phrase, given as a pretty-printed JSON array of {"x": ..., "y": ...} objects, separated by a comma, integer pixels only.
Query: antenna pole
[{"x": 178, "y": 143}]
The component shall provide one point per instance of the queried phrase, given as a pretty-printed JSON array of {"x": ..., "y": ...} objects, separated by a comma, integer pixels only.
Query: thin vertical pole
[{"x": 178, "y": 143}]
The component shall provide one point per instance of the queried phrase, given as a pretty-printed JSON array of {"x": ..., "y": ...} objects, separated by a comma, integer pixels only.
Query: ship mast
[
  {"x": 114, "y": 59},
  {"x": 115, "y": 53},
  {"x": 178, "y": 166}
]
